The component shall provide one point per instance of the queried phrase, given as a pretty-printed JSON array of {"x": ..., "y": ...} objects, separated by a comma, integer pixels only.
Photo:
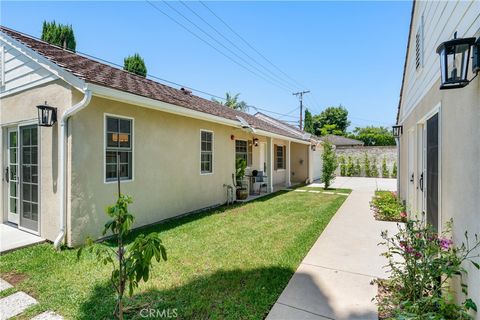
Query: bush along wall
[{"x": 367, "y": 162}]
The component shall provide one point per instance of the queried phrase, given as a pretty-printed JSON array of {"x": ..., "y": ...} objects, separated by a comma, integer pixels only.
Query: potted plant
[{"x": 240, "y": 166}]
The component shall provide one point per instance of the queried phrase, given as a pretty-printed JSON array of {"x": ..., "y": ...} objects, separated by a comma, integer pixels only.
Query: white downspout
[{"x": 62, "y": 172}]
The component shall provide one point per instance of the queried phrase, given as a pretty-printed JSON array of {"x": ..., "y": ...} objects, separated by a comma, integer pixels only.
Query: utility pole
[{"x": 300, "y": 95}]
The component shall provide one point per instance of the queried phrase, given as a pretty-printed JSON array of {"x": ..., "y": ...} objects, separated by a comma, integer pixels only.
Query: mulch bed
[
  {"x": 14, "y": 278},
  {"x": 384, "y": 293}
]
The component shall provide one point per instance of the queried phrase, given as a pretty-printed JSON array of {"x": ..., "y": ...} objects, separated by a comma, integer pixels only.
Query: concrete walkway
[
  {"x": 12, "y": 238},
  {"x": 17, "y": 302},
  {"x": 333, "y": 280}
]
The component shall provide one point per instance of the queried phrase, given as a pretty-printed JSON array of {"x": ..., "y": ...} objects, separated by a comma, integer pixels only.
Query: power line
[
  {"x": 274, "y": 75},
  {"x": 209, "y": 44},
  {"x": 250, "y": 46}
]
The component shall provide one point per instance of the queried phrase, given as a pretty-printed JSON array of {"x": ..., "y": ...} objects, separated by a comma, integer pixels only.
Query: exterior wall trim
[
  {"x": 213, "y": 153},
  {"x": 105, "y": 115}
]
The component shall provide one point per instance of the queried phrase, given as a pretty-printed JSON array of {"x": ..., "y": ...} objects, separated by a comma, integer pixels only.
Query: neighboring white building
[{"x": 439, "y": 173}]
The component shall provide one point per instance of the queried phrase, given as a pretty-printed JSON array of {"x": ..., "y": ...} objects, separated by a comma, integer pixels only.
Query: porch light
[
  {"x": 313, "y": 147},
  {"x": 397, "y": 131},
  {"x": 47, "y": 115},
  {"x": 454, "y": 59},
  {"x": 255, "y": 142}
]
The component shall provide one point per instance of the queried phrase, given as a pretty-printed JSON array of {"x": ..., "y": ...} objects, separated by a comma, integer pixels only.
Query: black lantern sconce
[
  {"x": 397, "y": 131},
  {"x": 313, "y": 147},
  {"x": 255, "y": 142},
  {"x": 454, "y": 60},
  {"x": 47, "y": 115}
]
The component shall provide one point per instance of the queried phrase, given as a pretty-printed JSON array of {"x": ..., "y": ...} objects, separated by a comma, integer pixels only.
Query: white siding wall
[
  {"x": 441, "y": 19},
  {"x": 19, "y": 72}
]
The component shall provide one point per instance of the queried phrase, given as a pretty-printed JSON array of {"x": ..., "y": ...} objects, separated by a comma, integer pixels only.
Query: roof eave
[
  {"x": 49, "y": 65},
  {"x": 406, "y": 58}
]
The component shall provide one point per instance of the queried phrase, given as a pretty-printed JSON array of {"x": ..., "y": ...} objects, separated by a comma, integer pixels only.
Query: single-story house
[
  {"x": 177, "y": 151},
  {"x": 438, "y": 122},
  {"x": 341, "y": 141},
  {"x": 313, "y": 159}
]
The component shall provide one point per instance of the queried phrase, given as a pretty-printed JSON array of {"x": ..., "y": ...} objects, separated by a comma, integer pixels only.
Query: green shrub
[
  {"x": 358, "y": 168},
  {"x": 422, "y": 265},
  {"x": 329, "y": 164},
  {"x": 385, "y": 173},
  {"x": 386, "y": 206},
  {"x": 394, "y": 170},
  {"x": 366, "y": 165},
  {"x": 343, "y": 166},
  {"x": 350, "y": 167},
  {"x": 374, "y": 168},
  {"x": 135, "y": 64}
]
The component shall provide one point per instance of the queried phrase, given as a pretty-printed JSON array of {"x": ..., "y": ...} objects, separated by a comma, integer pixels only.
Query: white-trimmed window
[
  {"x": 244, "y": 150},
  {"x": 118, "y": 143},
  {"x": 206, "y": 152},
  {"x": 279, "y": 157}
]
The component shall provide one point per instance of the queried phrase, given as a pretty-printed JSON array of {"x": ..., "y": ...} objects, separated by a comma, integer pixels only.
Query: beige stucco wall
[
  {"x": 459, "y": 155},
  {"x": 299, "y": 162},
  {"x": 21, "y": 107}
]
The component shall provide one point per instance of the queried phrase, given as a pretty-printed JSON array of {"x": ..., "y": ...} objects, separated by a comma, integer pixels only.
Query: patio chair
[{"x": 259, "y": 179}]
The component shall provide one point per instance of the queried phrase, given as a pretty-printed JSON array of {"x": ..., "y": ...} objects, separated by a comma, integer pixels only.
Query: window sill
[{"x": 116, "y": 181}]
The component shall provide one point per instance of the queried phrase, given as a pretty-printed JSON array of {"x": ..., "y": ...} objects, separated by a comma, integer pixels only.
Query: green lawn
[
  {"x": 231, "y": 262},
  {"x": 335, "y": 190}
]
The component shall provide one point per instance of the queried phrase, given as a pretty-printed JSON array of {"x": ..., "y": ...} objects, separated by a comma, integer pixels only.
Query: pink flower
[
  {"x": 445, "y": 243},
  {"x": 403, "y": 214}
]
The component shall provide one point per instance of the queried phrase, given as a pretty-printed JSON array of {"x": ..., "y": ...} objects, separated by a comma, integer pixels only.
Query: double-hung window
[
  {"x": 119, "y": 144},
  {"x": 243, "y": 150},
  {"x": 279, "y": 157},
  {"x": 206, "y": 152}
]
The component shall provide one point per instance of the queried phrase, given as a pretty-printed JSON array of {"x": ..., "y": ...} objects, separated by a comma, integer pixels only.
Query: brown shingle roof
[
  {"x": 341, "y": 141},
  {"x": 99, "y": 73}
]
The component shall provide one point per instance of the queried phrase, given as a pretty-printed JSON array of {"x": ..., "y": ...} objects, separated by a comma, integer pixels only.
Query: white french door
[
  {"x": 21, "y": 177},
  {"x": 11, "y": 176},
  {"x": 420, "y": 174}
]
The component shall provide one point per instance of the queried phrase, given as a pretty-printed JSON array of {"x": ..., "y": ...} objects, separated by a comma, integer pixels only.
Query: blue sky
[{"x": 349, "y": 53}]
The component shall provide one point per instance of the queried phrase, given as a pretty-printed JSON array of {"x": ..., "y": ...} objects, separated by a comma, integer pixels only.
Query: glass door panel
[
  {"x": 29, "y": 177},
  {"x": 11, "y": 175}
]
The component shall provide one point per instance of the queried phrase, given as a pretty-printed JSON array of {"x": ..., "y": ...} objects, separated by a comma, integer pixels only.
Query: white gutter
[{"x": 62, "y": 173}]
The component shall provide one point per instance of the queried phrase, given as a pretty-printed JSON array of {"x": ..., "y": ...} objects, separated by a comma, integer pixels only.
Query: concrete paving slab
[
  {"x": 48, "y": 315},
  {"x": 333, "y": 280},
  {"x": 283, "y": 312},
  {"x": 4, "y": 285},
  {"x": 15, "y": 304},
  {"x": 11, "y": 238},
  {"x": 331, "y": 293}
]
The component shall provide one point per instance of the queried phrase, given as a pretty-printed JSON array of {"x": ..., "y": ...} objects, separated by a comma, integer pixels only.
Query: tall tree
[
  {"x": 232, "y": 102},
  {"x": 61, "y": 35},
  {"x": 135, "y": 64},
  {"x": 374, "y": 136},
  {"x": 308, "y": 124},
  {"x": 337, "y": 116}
]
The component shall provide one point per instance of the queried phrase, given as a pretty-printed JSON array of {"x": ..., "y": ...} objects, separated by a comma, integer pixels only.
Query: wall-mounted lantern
[
  {"x": 313, "y": 147},
  {"x": 255, "y": 142},
  {"x": 397, "y": 131},
  {"x": 454, "y": 60},
  {"x": 47, "y": 115}
]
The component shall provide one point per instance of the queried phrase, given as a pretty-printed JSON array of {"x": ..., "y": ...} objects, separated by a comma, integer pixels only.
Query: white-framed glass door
[
  {"x": 29, "y": 182},
  {"x": 11, "y": 176}
]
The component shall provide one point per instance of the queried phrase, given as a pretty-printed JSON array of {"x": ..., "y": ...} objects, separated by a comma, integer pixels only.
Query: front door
[
  {"x": 263, "y": 157},
  {"x": 432, "y": 172},
  {"x": 411, "y": 172},
  {"x": 420, "y": 172},
  {"x": 11, "y": 176}
]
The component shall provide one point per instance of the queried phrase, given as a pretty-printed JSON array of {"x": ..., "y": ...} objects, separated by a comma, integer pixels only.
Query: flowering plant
[
  {"x": 386, "y": 206},
  {"x": 422, "y": 265}
]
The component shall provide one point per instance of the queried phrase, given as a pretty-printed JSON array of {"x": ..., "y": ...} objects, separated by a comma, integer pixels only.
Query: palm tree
[{"x": 232, "y": 102}]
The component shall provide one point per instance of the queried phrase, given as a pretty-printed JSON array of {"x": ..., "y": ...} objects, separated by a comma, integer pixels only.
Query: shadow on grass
[{"x": 235, "y": 294}]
